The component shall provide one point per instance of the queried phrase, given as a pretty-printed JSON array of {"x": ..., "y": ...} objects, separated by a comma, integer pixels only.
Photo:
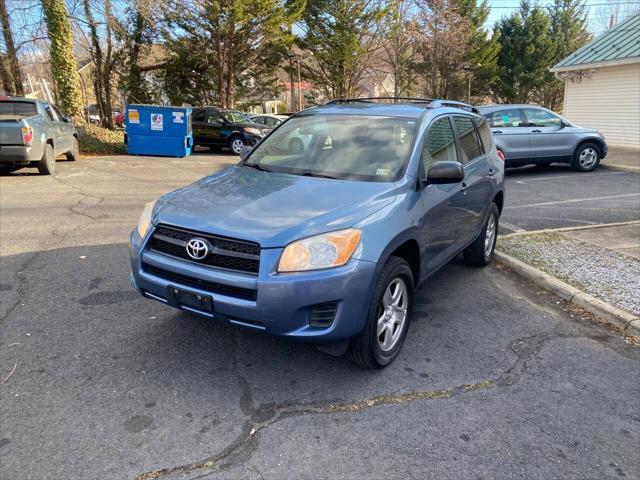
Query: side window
[
  {"x": 50, "y": 114},
  {"x": 507, "y": 118},
  {"x": 214, "y": 118},
  {"x": 58, "y": 113},
  {"x": 439, "y": 144},
  {"x": 272, "y": 122},
  {"x": 198, "y": 116},
  {"x": 540, "y": 118},
  {"x": 259, "y": 120},
  {"x": 471, "y": 148},
  {"x": 485, "y": 134}
]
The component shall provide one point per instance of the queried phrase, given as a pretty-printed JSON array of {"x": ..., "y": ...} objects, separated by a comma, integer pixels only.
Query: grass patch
[{"x": 94, "y": 140}]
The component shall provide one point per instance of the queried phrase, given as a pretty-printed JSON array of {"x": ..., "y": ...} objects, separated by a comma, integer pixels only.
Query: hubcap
[
  {"x": 392, "y": 313},
  {"x": 237, "y": 145},
  {"x": 489, "y": 236},
  {"x": 588, "y": 157}
]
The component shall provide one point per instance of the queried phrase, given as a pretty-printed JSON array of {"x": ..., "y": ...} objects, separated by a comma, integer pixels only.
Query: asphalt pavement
[{"x": 497, "y": 379}]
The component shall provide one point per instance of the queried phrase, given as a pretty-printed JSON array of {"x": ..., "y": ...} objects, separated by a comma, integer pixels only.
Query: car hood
[{"x": 271, "y": 208}]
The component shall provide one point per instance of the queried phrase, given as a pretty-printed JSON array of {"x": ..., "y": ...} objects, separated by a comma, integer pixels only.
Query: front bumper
[{"x": 283, "y": 303}]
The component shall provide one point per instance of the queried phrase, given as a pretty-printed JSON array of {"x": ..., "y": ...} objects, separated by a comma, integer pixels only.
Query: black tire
[
  {"x": 234, "y": 143},
  {"x": 7, "y": 169},
  {"x": 74, "y": 153},
  {"x": 296, "y": 145},
  {"x": 364, "y": 349},
  {"x": 478, "y": 254},
  {"x": 47, "y": 165},
  {"x": 586, "y": 157}
]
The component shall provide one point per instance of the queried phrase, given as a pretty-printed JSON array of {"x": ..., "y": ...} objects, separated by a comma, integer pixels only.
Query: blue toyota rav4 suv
[{"x": 326, "y": 244}]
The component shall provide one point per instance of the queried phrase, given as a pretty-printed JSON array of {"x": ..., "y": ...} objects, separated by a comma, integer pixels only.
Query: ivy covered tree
[
  {"x": 527, "y": 52},
  {"x": 63, "y": 62}
]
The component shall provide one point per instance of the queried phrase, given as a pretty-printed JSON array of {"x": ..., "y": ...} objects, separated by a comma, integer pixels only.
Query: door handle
[
  {"x": 496, "y": 132},
  {"x": 492, "y": 172},
  {"x": 536, "y": 131}
]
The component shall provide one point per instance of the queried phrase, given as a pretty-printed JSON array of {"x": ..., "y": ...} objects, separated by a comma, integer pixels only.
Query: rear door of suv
[
  {"x": 548, "y": 137},
  {"x": 509, "y": 127}
]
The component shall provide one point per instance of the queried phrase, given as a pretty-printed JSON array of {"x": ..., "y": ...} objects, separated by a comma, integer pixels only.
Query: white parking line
[
  {"x": 574, "y": 200},
  {"x": 568, "y": 175},
  {"x": 511, "y": 227}
]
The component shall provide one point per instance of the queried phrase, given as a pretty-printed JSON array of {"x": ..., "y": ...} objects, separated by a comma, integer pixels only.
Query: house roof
[{"x": 620, "y": 45}]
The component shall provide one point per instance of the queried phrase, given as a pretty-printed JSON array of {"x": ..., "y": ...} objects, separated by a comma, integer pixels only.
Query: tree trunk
[
  {"x": 63, "y": 62},
  {"x": 11, "y": 50}
]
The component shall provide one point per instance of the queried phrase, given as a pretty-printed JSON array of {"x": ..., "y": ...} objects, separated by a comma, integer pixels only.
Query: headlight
[
  {"x": 322, "y": 251},
  {"x": 253, "y": 131},
  {"x": 145, "y": 219}
]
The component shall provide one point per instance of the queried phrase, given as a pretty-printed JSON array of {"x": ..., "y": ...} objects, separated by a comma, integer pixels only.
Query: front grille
[
  {"x": 226, "y": 253},
  {"x": 322, "y": 315},
  {"x": 213, "y": 287}
]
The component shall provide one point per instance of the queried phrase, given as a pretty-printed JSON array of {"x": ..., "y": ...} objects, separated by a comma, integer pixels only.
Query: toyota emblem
[{"x": 197, "y": 248}]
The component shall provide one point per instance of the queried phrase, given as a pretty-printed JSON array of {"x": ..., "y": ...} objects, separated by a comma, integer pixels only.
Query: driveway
[{"x": 497, "y": 378}]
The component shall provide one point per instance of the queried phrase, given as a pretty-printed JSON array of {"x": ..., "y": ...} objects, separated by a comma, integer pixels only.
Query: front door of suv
[
  {"x": 548, "y": 137},
  {"x": 444, "y": 216}
]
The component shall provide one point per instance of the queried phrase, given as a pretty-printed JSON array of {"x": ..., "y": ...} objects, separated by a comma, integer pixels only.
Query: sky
[{"x": 598, "y": 11}]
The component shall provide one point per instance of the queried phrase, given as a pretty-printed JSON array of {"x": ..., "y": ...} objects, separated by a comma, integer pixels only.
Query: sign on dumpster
[
  {"x": 156, "y": 121},
  {"x": 134, "y": 116}
]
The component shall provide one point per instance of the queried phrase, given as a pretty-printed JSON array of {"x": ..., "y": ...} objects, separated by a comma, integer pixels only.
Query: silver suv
[{"x": 528, "y": 134}]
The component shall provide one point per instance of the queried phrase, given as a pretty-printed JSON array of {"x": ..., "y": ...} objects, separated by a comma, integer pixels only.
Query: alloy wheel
[
  {"x": 392, "y": 314},
  {"x": 489, "y": 236},
  {"x": 588, "y": 157},
  {"x": 237, "y": 145}
]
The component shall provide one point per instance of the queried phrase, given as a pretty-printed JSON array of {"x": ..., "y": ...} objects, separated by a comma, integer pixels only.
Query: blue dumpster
[{"x": 158, "y": 130}]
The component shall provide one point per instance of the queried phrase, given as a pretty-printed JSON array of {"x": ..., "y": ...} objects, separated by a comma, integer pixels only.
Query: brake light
[
  {"x": 27, "y": 135},
  {"x": 500, "y": 155}
]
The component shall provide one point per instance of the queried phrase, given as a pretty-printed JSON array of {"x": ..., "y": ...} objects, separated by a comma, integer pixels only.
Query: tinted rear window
[
  {"x": 25, "y": 109},
  {"x": 485, "y": 134},
  {"x": 468, "y": 139}
]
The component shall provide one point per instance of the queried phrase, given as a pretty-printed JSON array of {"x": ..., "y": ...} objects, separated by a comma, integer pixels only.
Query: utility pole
[
  {"x": 299, "y": 87},
  {"x": 291, "y": 83}
]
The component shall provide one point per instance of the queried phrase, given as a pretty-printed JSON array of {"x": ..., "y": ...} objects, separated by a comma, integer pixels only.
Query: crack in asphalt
[
  {"x": 20, "y": 289},
  {"x": 264, "y": 416}
]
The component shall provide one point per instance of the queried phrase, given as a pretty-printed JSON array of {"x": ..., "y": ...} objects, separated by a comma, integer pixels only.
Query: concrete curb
[
  {"x": 621, "y": 168},
  {"x": 629, "y": 324}
]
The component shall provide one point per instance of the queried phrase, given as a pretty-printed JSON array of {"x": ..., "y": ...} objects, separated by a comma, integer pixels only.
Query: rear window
[
  {"x": 466, "y": 131},
  {"x": 485, "y": 134},
  {"x": 24, "y": 109}
]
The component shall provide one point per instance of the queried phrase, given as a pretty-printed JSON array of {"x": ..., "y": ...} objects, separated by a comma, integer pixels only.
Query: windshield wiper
[
  {"x": 309, "y": 173},
  {"x": 257, "y": 166}
]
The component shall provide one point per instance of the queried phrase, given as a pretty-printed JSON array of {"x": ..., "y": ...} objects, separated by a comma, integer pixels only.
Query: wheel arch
[
  {"x": 406, "y": 246},
  {"x": 595, "y": 140}
]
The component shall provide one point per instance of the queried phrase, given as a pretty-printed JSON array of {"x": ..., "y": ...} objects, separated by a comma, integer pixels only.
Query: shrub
[{"x": 101, "y": 141}]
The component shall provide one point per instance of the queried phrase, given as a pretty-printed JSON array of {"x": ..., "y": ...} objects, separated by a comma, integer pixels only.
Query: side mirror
[
  {"x": 245, "y": 152},
  {"x": 445, "y": 172}
]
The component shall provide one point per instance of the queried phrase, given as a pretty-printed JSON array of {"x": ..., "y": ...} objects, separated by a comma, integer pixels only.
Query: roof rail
[
  {"x": 428, "y": 102},
  {"x": 453, "y": 104},
  {"x": 373, "y": 99}
]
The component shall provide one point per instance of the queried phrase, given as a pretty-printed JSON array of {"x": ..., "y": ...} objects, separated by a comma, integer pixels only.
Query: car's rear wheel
[
  {"x": 47, "y": 164},
  {"x": 481, "y": 251},
  {"x": 586, "y": 158},
  {"x": 74, "y": 153},
  {"x": 387, "y": 318},
  {"x": 236, "y": 144}
]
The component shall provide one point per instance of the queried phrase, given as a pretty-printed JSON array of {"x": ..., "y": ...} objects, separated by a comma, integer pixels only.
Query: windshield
[
  {"x": 341, "y": 146},
  {"x": 235, "y": 117}
]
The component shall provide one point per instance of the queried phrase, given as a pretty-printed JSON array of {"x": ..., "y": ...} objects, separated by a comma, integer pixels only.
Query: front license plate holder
[{"x": 180, "y": 296}]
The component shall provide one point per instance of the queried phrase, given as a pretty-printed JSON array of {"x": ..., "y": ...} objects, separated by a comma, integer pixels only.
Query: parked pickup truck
[{"x": 32, "y": 134}]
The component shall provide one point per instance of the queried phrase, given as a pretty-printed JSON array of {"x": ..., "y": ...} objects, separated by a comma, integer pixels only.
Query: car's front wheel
[
  {"x": 481, "y": 251},
  {"x": 387, "y": 318},
  {"x": 586, "y": 158},
  {"x": 236, "y": 144}
]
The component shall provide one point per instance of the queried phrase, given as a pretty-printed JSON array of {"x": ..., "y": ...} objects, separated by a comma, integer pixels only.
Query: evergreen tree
[
  {"x": 527, "y": 52},
  {"x": 341, "y": 37},
  {"x": 63, "y": 62},
  {"x": 568, "y": 30}
]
